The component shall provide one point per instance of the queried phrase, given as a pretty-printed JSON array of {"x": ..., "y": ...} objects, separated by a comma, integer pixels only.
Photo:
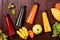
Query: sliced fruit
[
  {"x": 56, "y": 13},
  {"x": 13, "y": 11},
  {"x": 46, "y": 23},
  {"x": 12, "y": 6},
  {"x": 37, "y": 29}
]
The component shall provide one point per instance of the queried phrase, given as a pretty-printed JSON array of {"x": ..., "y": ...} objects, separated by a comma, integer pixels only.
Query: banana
[
  {"x": 20, "y": 34},
  {"x": 25, "y": 31},
  {"x": 56, "y": 13}
]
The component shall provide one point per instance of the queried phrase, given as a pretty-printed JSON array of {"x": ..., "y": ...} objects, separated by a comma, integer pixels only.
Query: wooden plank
[
  {"x": 1, "y": 14},
  {"x": 4, "y": 10},
  {"x": 44, "y": 4}
]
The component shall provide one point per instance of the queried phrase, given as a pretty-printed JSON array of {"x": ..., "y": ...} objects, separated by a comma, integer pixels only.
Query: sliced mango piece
[{"x": 56, "y": 13}]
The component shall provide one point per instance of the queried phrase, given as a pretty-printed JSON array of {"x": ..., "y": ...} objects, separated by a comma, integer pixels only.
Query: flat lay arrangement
[{"x": 18, "y": 25}]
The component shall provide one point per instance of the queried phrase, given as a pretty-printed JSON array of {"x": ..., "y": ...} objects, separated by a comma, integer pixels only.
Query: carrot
[
  {"x": 32, "y": 14},
  {"x": 57, "y": 5},
  {"x": 31, "y": 34}
]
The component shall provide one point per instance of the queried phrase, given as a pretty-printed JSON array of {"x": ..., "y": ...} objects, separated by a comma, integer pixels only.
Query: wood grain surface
[
  {"x": 0, "y": 13},
  {"x": 43, "y": 4}
]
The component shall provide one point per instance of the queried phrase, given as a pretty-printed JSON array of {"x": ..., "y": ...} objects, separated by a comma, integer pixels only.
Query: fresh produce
[
  {"x": 23, "y": 32},
  {"x": 9, "y": 27},
  {"x": 31, "y": 33},
  {"x": 3, "y": 36},
  {"x": 56, "y": 13},
  {"x": 57, "y": 5},
  {"x": 37, "y": 29},
  {"x": 20, "y": 34},
  {"x": 13, "y": 11},
  {"x": 46, "y": 23},
  {"x": 56, "y": 29},
  {"x": 8, "y": 6},
  {"x": 20, "y": 16},
  {"x": 12, "y": 6},
  {"x": 32, "y": 14},
  {"x": 5, "y": 39}
]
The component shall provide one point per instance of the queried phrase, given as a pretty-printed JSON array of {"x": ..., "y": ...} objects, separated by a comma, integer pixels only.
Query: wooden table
[{"x": 44, "y": 4}]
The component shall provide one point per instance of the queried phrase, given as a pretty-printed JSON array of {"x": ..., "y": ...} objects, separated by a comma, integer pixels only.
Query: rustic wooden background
[{"x": 44, "y": 4}]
